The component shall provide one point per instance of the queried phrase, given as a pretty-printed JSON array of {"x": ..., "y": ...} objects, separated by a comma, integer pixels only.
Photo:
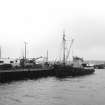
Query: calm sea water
[{"x": 84, "y": 90}]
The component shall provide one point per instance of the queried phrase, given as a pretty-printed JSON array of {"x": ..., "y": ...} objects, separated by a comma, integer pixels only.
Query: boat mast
[
  {"x": 25, "y": 49},
  {"x": 47, "y": 57},
  {"x": 64, "y": 42},
  {"x": 0, "y": 52}
]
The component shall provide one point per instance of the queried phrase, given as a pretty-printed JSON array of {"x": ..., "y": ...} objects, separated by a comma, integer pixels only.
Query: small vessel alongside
[{"x": 76, "y": 68}]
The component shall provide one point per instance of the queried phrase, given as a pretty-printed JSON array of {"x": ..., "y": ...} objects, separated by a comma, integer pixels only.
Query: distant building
[{"x": 12, "y": 61}]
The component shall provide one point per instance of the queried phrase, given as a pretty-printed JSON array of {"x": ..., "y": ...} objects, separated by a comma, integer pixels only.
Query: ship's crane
[
  {"x": 34, "y": 59},
  {"x": 68, "y": 53}
]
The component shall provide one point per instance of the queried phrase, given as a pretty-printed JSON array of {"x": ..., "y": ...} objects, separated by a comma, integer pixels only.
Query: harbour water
[{"x": 83, "y": 90}]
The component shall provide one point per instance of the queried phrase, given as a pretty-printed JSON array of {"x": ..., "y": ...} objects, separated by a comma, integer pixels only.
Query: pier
[
  {"x": 19, "y": 74},
  {"x": 35, "y": 73}
]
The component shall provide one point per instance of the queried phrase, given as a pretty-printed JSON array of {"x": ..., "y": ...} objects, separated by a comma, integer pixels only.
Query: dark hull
[{"x": 70, "y": 71}]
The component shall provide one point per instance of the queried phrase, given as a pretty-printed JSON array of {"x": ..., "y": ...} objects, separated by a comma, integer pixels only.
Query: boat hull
[{"x": 71, "y": 71}]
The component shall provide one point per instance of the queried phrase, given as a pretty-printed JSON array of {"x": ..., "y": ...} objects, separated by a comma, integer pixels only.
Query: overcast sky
[{"x": 41, "y": 22}]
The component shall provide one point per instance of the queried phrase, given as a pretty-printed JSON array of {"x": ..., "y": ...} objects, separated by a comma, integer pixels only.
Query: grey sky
[{"x": 41, "y": 22}]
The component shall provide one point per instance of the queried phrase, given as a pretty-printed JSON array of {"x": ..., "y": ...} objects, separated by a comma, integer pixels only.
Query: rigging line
[{"x": 69, "y": 49}]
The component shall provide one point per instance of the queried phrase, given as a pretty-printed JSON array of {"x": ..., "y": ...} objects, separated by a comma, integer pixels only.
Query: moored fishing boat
[{"x": 74, "y": 69}]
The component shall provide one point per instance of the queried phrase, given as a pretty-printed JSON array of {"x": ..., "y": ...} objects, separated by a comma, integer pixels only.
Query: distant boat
[{"x": 76, "y": 69}]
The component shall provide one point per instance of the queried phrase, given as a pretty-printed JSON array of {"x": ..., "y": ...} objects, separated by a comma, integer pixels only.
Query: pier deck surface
[{"x": 21, "y": 70}]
